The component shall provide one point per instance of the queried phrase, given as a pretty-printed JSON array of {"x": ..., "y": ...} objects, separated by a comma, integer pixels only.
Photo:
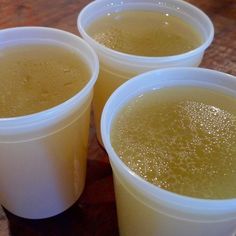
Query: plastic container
[
  {"x": 145, "y": 209},
  {"x": 117, "y": 67},
  {"x": 43, "y": 155}
]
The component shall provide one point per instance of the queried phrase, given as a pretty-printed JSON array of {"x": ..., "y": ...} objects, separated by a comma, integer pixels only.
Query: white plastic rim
[
  {"x": 23, "y": 124},
  {"x": 172, "y": 204},
  {"x": 180, "y": 8}
]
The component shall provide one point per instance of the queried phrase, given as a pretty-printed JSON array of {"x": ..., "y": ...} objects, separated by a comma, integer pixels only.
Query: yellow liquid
[
  {"x": 144, "y": 33},
  {"x": 182, "y": 139},
  {"x": 36, "y": 77}
]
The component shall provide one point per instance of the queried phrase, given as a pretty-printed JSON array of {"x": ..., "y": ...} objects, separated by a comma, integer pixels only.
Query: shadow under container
[
  {"x": 146, "y": 209},
  {"x": 117, "y": 67},
  {"x": 43, "y": 156}
]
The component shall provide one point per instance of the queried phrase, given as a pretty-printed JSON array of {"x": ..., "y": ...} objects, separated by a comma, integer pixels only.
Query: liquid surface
[
  {"x": 144, "y": 33},
  {"x": 37, "y": 77},
  {"x": 180, "y": 139}
]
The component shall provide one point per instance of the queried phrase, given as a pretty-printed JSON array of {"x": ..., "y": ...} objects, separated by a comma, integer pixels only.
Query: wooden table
[{"x": 95, "y": 213}]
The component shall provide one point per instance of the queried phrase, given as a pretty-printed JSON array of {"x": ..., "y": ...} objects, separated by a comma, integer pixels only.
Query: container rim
[
  {"x": 156, "y": 193},
  {"x": 11, "y": 122},
  {"x": 139, "y": 59}
]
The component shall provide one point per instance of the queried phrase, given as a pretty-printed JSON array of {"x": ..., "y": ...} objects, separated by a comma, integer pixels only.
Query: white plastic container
[
  {"x": 145, "y": 209},
  {"x": 43, "y": 155},
  {"x": 117, "y": 67}
]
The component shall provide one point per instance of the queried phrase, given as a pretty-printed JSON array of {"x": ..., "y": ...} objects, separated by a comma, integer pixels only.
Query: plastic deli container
[
  {"x": 43, "y": 155},
  {"x": 117, "y": 67},
  {"x": 145, "y": 209}
]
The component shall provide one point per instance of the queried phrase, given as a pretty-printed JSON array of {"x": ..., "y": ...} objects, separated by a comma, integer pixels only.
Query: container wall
[
  {"x": 136, "y": 218},
  {"x": 44, "y": 176}
]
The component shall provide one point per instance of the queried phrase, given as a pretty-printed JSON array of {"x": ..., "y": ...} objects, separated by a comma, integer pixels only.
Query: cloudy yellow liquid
[
  {"x": 145, "y": 33},
  {"x": 181, "y": 139},
  {"x": 36, "y": 77}
]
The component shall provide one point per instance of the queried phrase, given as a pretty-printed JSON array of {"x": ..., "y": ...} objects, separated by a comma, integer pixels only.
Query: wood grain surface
[{"x": 95, "y": 213}]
